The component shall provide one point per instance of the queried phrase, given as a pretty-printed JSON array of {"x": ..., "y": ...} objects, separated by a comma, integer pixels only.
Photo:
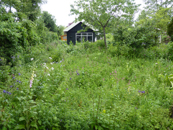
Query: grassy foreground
[{"x": 78, "y": 88}]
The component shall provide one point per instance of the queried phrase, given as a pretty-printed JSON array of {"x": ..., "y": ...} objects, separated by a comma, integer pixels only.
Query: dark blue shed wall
[{"x": 72, "y": 33}]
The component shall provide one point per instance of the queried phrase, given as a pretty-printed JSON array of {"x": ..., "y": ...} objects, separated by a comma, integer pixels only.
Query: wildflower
[
  {"x": 143, "y": 92},
  {"x": 9, "y": 93},
  {"x": 0, "y": 59},
  {"x": 19, "y": 74},
  {"x": 13, "y": 77},
  {"x": 52, "y": 68},
  {"x": 32, "y": 59},
  {"x": 70, "y": 78},
  {"x": 4, "y": 91},
  {"x": 48, "y": 74},
  {"x": 77, "y": 72},
  {"x": 50, "y": 57},
  {"x": 32, "y": 79},
  {"x": 11, "y": 86},
  {"x": 60, "y": 61},
  {"x": 47, "y": 67},
  {"x": 17, "y": 88},
  {"x": 156, "y": 63},
  {"x": 51, "y": 63},
  {"x": 19, "y": 81},
  {"x": 35, "y": 75},
  {"x": 66, "y": 88},
  {"x": 13, "y": 57}
]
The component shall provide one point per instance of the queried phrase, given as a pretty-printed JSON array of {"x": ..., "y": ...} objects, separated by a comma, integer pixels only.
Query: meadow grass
[{"x": 83, "y": 88}]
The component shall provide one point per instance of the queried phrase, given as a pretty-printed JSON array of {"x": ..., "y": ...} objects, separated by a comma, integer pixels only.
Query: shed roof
[
  {"x": 74, "y": 24},
  {"x": 71, "y": 26}
]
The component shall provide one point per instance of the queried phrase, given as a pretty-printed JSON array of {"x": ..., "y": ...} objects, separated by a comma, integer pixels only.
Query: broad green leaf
[
  {"x": 33, "y": 124},
  {"x": 21, "y": 118},
  {"x": 19, "y": 127}
]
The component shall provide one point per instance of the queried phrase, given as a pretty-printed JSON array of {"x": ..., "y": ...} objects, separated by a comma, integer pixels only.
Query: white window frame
[{"x": 82, "y": 34}]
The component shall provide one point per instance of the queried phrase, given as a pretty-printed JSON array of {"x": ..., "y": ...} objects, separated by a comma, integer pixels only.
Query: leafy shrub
[{"x": 137, "y": 37}]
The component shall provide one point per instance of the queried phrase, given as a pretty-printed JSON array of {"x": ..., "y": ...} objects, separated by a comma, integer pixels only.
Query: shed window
[{"x": 85, "y": 36}]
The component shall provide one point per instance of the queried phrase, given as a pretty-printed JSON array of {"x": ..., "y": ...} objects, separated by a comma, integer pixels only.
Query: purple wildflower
[
  {"x": 13, "y": 77},
  {"x": 11, "y": 86},
  {"x": 0, "y": 59},
  {"x": 19, "y": 81},
  {"x": 70, "y": 78},
  {"x": 4, "y": 91},
  {"x": 66, "y": 88},
  {"x": 143, "y": 92},
  {"x": 19, "y": 74},
  {"x": 17, "y": 88},
  {"x": 77, "y": 72},
  {"x": 9, "y": 93}
]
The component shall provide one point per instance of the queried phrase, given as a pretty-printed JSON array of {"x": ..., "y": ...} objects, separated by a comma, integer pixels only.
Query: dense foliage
[
  {"x": 83, "y": 87},
  {"x": 23, "y": 28}
]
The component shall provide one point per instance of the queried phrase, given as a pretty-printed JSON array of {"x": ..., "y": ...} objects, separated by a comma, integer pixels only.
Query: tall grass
[{"x": 85, "y": 87}]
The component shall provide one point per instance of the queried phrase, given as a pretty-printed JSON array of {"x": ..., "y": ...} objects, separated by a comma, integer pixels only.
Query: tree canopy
[{"x": 102, "y": 13}]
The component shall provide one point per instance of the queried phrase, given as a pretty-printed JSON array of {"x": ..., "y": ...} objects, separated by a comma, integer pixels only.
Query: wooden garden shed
[{"x": 72, "y": 33}]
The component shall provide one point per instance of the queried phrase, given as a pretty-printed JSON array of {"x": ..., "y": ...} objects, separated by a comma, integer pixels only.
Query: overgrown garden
[{"x": 123, "y": 82}]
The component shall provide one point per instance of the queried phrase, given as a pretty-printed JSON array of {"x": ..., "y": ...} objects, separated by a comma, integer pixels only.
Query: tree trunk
[{"x": 104, "y": 37}]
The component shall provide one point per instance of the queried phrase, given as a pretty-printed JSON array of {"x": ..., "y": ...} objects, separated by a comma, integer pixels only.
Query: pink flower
[{"x": 31, "y": 83}]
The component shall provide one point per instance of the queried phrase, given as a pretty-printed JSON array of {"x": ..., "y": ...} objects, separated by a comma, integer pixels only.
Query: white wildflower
[
  {"x": 46, "y": 67},
  {"x": 52, "y": 68},
  {"x": 50, "y": 57},
  {"x": 32, "y": 59},
  {"x": 48, "y": 74},
  {"x": 35, "y": 75}
]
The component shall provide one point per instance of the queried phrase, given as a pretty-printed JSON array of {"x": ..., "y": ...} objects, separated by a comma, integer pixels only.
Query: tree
[
  {"x": 49, "y": 21},
  {"x": 102, "y": 13},
  {"x": 31, "y": 8},
  {"x": 60, "y": 30}
]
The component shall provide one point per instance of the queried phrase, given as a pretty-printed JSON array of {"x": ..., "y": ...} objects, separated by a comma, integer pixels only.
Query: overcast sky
[{"x": 61, "y": 10}]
